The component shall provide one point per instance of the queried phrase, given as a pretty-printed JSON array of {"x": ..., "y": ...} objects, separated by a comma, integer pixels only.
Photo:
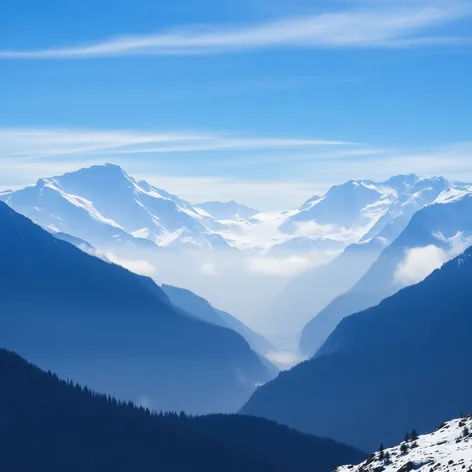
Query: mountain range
[
  {"x": 277, "y": 271},
  {"x": 436, "y": 233},
  {"x": 400, "y": 365},
  {"x": 117, "y": 332},
  {"x": 385, "y": 318},
  {"x": 103, "y": 204},
  {"x": 378, "y": 212}
]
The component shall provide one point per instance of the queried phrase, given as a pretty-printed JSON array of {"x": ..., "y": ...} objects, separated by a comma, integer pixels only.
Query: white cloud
[
  {"x": 453, "y": 159},
  {"x": 419, "y": 262},
  {"x": 285, "y": 359},
  {"x": 144, "y": 401},
  {"x": 140, "y": 267},
  {"x": 313, "y": 228},
  {"x": 355, "y": 152},
  {"x": 397, "y": 24},
  {"x": 209, "y": 269},
  {"x": 458, "y": 243},
  {"x": 29, "y": 154},
  {"x": 28, "y": 143},
  {"x": 273, "y": 267}
]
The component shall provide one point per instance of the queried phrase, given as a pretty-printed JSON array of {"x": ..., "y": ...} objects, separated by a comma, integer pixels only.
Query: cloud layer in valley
[{"x": 419, "y": 262}]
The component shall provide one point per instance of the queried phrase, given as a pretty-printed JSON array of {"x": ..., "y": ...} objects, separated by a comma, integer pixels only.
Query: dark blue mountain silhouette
[
  {"x": 49, "y": 425},
  {"x": 201, "y": 308},
  {"x": 401, "y": 365},
  {"x": 113, "y": 330}
]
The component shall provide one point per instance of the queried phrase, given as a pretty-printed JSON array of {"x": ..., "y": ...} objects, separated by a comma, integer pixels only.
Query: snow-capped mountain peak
[
  {"x": 360, "y": 209},
  {"x": 114, "y": 201},
  {"x": 402, "y": 180},
  {"x": 103, "y": 204},
  {"x": 353, "y": 212},
  {"x": 449, "y": 448}
]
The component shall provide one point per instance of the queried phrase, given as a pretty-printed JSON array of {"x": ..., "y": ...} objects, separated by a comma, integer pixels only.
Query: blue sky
[{"x": 264, "y": 101}]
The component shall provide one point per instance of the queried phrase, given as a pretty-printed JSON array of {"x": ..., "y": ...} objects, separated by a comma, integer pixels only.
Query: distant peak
[
  {"x": 438, "y": 179},
  {"x": 108, "y": 167},
  {"x": 99, "y": 170},
  {"x": 350, "y": 185},
  {"x": 403, "y": 179},
  {"x": 410, "y": 176},
  {"x": 110, "y": 170}
]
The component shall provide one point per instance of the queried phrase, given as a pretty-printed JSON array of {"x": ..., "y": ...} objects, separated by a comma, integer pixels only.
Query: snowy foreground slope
[{"x": 448, "y": 448}]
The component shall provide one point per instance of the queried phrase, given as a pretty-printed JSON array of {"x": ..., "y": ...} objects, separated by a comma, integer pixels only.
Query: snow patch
[{"x": 449, "y": 448}]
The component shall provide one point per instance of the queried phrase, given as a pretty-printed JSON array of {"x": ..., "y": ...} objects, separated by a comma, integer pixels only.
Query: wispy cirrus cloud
[
  {"x": 280, "y": 173},
  {"x": 452, "y": 160},
  {"x": 28, "y": 154},
  {"x": 49, "y": 143},
  {"x": 368, "y": 25}
]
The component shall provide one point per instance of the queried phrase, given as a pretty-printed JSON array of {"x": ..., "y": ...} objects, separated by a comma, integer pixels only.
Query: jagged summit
[
  {"x": 402, "y": 180},
  {"x": 104, "y": 205},
  {"x": 97, "y": 169}
]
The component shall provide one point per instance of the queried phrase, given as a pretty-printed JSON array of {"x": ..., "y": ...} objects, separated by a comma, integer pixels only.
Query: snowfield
[{"x": 449, "y": 448}]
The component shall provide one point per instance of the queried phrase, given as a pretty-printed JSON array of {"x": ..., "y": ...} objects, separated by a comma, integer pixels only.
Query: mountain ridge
[
  {"x": 86, "y": 318},
  {"x": 52, "y": 425},
  {"x": 448, "y": 219},
  {"x": 355, "y": 389},
  {"x": 202, "y": 309}
]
